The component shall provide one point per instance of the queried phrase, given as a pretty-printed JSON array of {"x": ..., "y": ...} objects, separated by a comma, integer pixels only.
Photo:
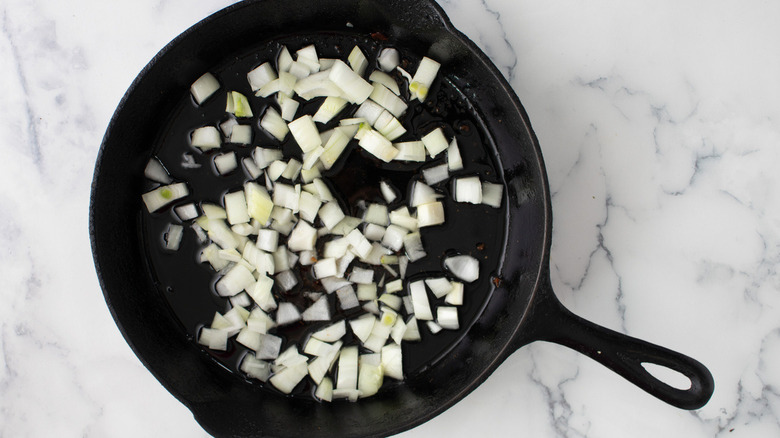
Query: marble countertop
[{"x": 660, "y": 127}]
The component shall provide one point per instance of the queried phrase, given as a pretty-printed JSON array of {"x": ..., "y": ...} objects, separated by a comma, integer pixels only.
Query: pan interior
[{"x": 478, "y": 230}]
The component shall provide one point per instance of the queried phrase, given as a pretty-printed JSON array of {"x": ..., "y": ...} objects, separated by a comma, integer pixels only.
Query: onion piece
[
  {"x": 331, "y": 333},
  {"x": 173, "y": 237},
  {"x": 303, "y": 237},
  {"x": 287, "y": 379},
  {"x": 332, "y": 284},
  {"x": 259, "y": 202},
  {"x": 263, "y": 157},
  {"x": 204, "y": 87},
  {"x": 330, "y": 214},
  {"x": 275, "y": 170},
  {"x": 436, "y": 174},
  {"x": 464, "y": 267},
  {"x": 394, "y": 286},
  {"x": 225, "y": 163},
  {"x": 299, "y": 70},
  {"x": 346, "y": 226},
  {"x": 288, "y": 105},
  {"x": 361, "y": 276},
  {"x": 268, "y": 240},
  {"x": 161, "y": 196},
  {"x": 362, "y": 326},
  {"x": 435, "y": 142},
  {"x": 260, "y": 76},
  {"x": 335, "y": 146},
  {"x": 394, "y": 237},
  {"x": 308, "y": 55},
  {"x": 366, "y": 292},
  {"x": 156, "y": 172},
  {"x": 414, "y": 247},
  {"x": 454, "y": 159},
  {"x": 236, "y": 208},
  {"x": 433, "y": 327},
  {"x": 388, "y": 59},
  {"x": 492, "y": 194},
  {"x": 447, "y": 317},
  {"x": 355, "y": 88},
  {"x": 369, "y": 111},
  {"x": 325, "y": 390},
  {"x": 388, "y": 100},
  {"x": 205, "y": 138},
  {"x": 402, "y": 218},
  {"x": 284, "y": 60},
  {"x": 392, "y": 301},
  {"x": 186, "y": 212},
  {"x": 423, "y": 78},
  {"x": 325, "y": 267},
  {"x": 357, "y": 60},
  {"x": 422, "y": 308},
  {"x": 376, "y": 144},
  {"x": 376, "y": 214},
  {"x": 347, "y": 297},
  {"x": 241, "y": 134},
  {"x": 319, "y": 311},
  {"x": 370, "y": 375},
  {"x": 410, "y": 151},
  {"x": 374, "y": 232},
  {"x": 380, "y": 77},
  {"x": 287, "y": 313},
  {"x": 430, "y": 214},
  {"x": 308, "y": 206},
  {"x": 320, "y": 365},
  {"x": 274, "y": 124},
  {"x": 238, "y": 278},
  {"x": 330, "y": 107},
  {"x": 214, "y": 339},
  {"x": 286, "y": 280},
  {"x": 392, "y": 361},
  {"x": 238, "y": 105},
  {"x": 292, "y": 169},
  {"x": 388, "y": 191},
  {"x": 348, "y": 368},
  {"x": 468, "y": 189},
  {"x": 305, "y": 133},
  {"x": 422, "y": 194},
  {"x": 455, "y": 295},
  {"x": 255, "y": 368},
  {"x": 412, "y": 332}
]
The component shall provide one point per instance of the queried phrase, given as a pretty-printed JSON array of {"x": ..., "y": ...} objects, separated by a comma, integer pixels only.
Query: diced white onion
[
  {"x": 366, "y": 292},
  {"x": 261, "y": 75},
  {"x": 161, "y": 196},
  {"x": 214, "y": 339},
  {"x": 412, "y": 332},
  {"x": 464, "y": 267},
  {"x": 455, "y": 295},
  {"x": 447, "y": 317},
  {"x": 362, "y": 326},
  {"x": 436, "y": 174},
  {"x": 329, "y": 108},
  {"x": 433, "y": 327},
  {"x": 376, "y": 144},
  {"x": 392, "y": 361},
  {"x": 435, "y": 142},
  {"x": 234, "y": 281},
  {"x": 186, "y": 212},
  {"x": 357, "y": 60},
  {"x": 331, "y": 333},
  {"x": 430, "y": 214},
  {"x": 422, "y": 308},
  {"x": 423, "y": 78},
  {"x": 173, "y": 237},
  {"x": 287, "y": 379},
  {"x": 376, "y": 214},
  {"x": 305, "y": 133},
  {"x": 255, "y": 368},
  {"x": 287, "y": 313},
  {"x": 319, "y": 311},
  {"x": 414, "y": 247},
  {"x": 388, "y": 59},
  {"x": 410, "y": 151},
  {"x": 380, "y": 77},
  {"x": 156, "y": 172},
  {"x": 468, "y": 189},
  {"x": 387, "y": 99},
  {"x": 204, "y": 87},
  {"x": 274, "y": 124},
  {"x": 225, "y": 163},
  {"x": 356, "y": 89},
  {"x": 347, "y": 297},
  {"x": 325, "y": 268},
  {"x": 361, "y": 276},
  {"x": 205, "y": 138},
  {"x": 454, "y": 159},
  {"x": 330, "y": 214},
  {"x": 492, "y": 194},
  {"x": 439, "y": 286}
]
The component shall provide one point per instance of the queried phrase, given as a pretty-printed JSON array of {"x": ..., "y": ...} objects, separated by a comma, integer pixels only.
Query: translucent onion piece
[
  {"x": 156, "y": 172},
  {"x": 464, "y": 267},
  {"x": 260, "y": 76},
  {"x": 161, "y": 196},
  {"x": 492, "y": 194},
  {"x": 435, "y": 142},
  {"x": 204, "y": 87},
  {"x": 205, "y": 138}
]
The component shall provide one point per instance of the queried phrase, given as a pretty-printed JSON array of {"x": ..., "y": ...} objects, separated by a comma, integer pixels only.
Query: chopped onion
[
  {"x": 412, "y": 332},
  {"x": 388, "y": 191},
  {"x": 331, "y": 333},
  {"x": 204, "y": 87},
  {"x": 173, "y": 237},
  {"x": 370, "y": 375},
  {"x": 286, "y": 280},
  {"x": 447, "y": 317},
  {"x": 241, "y": 134},
  {"x": 330, "y": 214},
  {"x": 268, "y": 240},
  {"x": 436, "y": 174},
  {"x": 376, "y": 214},
  {"x": 164, "y": 195},
  {"x": 286, "y": 380},
  {"x": 332, "y": 284},
  {"x": 214, "y": 339},
  {"x": 355, "y": 88},
  {"x": 357, "y": 60},
  {"x": 380, "y": 77},
  {"x": 259, "y": 203},
  {"x": 308, "y": 55},
  {"x": 430, "y": 214},
  {"x": 284, "y": 60},
  {"x": 455, "y": 295},
  {"x": 454, "y": 160},
  {"x": 348, "y": 368},
  {"x": 422, "y": 308},
  {"x": 205, "y": 138},
  {"x": 392, "y": 361},
  {"x": 388, "y": 100},
  {"x": 366, "y": 292},
  {"x": 275, "y": 170},
  {"x": 362, "y": 326},
  {"x": 303, "y": 237},
  {"x": 492, "y": 194},
  {"x": 330, "y": 107},
  {"x": 410, "y": 151},
  {"x": 401, "y": 217},
  {"x": 335, "y": 146},
  {"x": 439, "y": 286},
  {"x": 305, "y": 133},
  {"x": 319, "y": 311},
  {"x": 308, "y": 206},
  {"x": 374, "y": 232},
  {"x": 361, "y": 276},
  {"x": 435, "y": 142},
  {"x": 236, "y": 208},
  {"x": 186, "y": 212},
  {"x": 422, "y": 194},
  {"x": 347, "y": 297},
  {"x": 433, "y": 327},
  {"x": 156, "y": 172},
  {"x": 325, "y": 268},
  {"x": 394, "y": 237},
  {"x": 287, "y": 313},
  {"x": 260, "y": 76},
  {"x": 423, "y": 78},
  {"x": 414, "y": 247},
  {"x": 388, "y": 59},
  {"x": 325, "y": 390},
  {"x": 376, "y": 144},
  {"x": 225, "y": 163},
  {"x": 274, "y": 124},
  {"x": 468, "y": 189},
  {"x": 346, "y": 226},
  {"x": 299, "y": 70},
  {"x": 292, "y": 170},
  {"x": 264, "y": 156},
  {"x": 234, "y": 281},
  {"x": 288, "y": 105},
  {"x": 464, "y": 267},
  {"x": 392, "y": 301},
  {"x": 238, "y": 105},
  {"x": 398, "y": 331},
  {"x": 370, "y": 111}
]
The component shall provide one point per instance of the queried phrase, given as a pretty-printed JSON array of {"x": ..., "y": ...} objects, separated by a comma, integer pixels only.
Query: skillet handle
[{"x": 621, "y": 353}]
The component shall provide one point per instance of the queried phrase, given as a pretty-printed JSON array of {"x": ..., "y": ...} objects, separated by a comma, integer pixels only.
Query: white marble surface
[{"x": 660, "y": 126}]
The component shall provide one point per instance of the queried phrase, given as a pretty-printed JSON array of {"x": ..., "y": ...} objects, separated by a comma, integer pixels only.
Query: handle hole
[{"x": 673, "y": 378}]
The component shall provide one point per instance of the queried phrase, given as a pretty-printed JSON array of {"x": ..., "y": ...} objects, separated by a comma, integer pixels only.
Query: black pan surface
[{"x": 516, "y": 304}]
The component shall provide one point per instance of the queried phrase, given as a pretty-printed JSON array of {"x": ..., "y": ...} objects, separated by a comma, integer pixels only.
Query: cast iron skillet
[{"x": 522, "y": 309}]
